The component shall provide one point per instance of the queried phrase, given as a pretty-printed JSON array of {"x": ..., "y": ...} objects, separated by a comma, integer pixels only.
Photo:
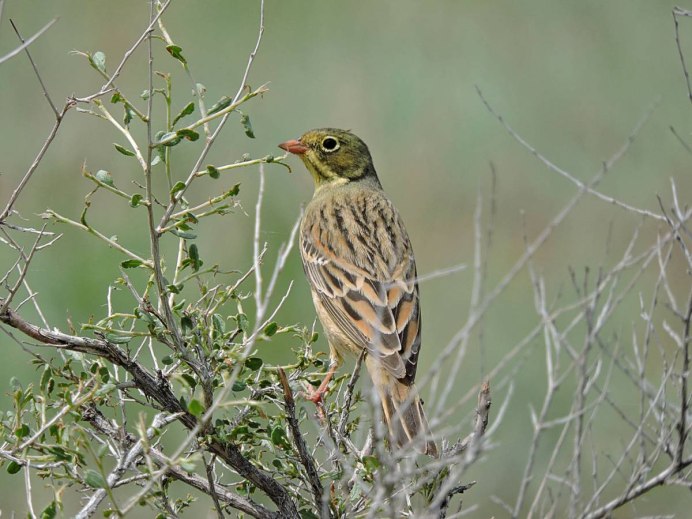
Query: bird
[{"x": 359, "y": 262}]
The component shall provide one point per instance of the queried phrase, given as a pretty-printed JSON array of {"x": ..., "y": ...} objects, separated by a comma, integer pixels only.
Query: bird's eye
[{"x": 330, "y": 144}]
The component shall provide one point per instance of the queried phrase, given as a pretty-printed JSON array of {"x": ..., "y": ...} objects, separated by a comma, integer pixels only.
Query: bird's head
[{"x": 332, "y": 156}]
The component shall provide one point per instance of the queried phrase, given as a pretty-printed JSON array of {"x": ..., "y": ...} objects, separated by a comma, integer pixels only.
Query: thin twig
[
  {"x": 107, "y": 86},
  {"x": 38, "y": 76},
  {"x": 49, "y": 140},
  {"x": 348, "y": 396},
  {"x": 587, "y": 187},
  {"x": 308, "y": 462},
  {"x": 28, "y": 42},
  {"x": 210, "y": 140},
  {"x": 240, "y": 503},
  {"x": 677, "y": 11},
  {"x": 127, "y": 460}
]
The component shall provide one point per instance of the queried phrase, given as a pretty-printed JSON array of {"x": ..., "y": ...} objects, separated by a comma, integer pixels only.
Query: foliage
[{"x": 164, "y": 398}]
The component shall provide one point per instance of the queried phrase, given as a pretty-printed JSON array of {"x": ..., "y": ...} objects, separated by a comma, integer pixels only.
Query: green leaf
[
  {"x": 371, "y": 463},
  {"x": 254, "y": 363},
  {"x": 189, "y": 108},
  {"x": 98, "y": 61},
  {"x": 213, "y": 172},
  {"x": 238, "y": 386},
  {"x": 174, "y": 289},
  {"x": 169, "y": 135},
  {"x": 218, "y": 322},
  {"x": 247, "y": 126},
  {"x": 129, "y": 113},
  {"x": 124, "y": 150},
  {"x": 176, "y": 52},
  {"x": 193, "y": 252},
  {"x": 50, "y": 512},
  {"x": 222, "y": 103},
  {"x": 136, "y": 198},
  {"x": 242, "y": 322},
  {"x": 105, "y": 389},
  {"x": 59, "y": 453},
  {"x": 188, "y": 466},
  {"x": 104, "y": 177},
  {"x": 184, "y": 235},
  {"x": 189, "y": 379},
  {"x": 94, "y": 479},
  {"x": 131, "y": 263},
  {"x": 190, "y": 135},
  {"x": 195, "y": 407},
  {"x": 270, "y": 329},
  {"x": 13, "y": 467},
  {"x": 167, "y": 360},
  {"x": 161, "y": 152},
  {"x": 116, "y": 97},
  {"x": 82, "y": 217},
  {"x": 306, "y": 513},
  {"x": 23, "y": 431},
  {"x": 278, "y": 437},
  {"x": 186, "y": 323},
  {"x": 46, "y": 377},
  {"x": 179, "y": 186},
  {"x": 117, "y": 339}
]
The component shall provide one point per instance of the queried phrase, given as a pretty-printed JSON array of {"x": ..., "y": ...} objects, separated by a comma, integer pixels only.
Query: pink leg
[{"x": 315, "y": 396}]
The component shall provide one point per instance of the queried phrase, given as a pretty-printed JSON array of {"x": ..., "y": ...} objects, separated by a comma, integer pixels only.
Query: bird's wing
[{"x": 362, "y": 269}]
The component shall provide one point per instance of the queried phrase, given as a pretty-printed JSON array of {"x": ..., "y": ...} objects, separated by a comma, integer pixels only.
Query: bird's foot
[{"x": 316, "y": 396}]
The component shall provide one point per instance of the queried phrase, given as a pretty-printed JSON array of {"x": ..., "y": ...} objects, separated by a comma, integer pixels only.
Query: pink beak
[{"x": 294, "y": 146}]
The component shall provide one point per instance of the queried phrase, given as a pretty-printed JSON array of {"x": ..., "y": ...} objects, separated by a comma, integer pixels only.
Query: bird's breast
[{"x": 360, "y": 227}]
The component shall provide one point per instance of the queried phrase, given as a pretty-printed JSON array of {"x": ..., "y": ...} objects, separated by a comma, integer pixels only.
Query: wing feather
[{"x": 359, "y": 262}]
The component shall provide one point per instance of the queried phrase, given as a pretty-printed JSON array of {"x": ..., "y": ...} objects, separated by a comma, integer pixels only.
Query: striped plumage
[{"x": 359, "y": 262}]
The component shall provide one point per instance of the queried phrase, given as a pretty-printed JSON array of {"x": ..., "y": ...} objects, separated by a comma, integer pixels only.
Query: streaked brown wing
[{"x": 363, "y": 272}]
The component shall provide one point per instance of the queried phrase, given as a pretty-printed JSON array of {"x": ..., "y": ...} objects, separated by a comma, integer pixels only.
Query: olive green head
[{"x": 333, "y": 156}]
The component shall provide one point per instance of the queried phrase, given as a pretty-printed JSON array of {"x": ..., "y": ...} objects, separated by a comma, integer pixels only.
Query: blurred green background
[{"x": 573, "y": 78}]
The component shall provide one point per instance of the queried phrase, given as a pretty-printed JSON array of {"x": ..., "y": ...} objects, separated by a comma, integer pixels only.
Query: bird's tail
[{"x": 402, "y": 410}]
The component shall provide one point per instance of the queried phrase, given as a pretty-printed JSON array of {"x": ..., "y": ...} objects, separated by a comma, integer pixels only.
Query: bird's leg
[{"x": 315, "y": 395}]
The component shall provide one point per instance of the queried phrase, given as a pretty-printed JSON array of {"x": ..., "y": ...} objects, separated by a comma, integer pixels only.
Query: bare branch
[
  {"x": 38, "y": 76},
  {"x": 321, "y": 499},
  {"x": 28, "y": 42}
]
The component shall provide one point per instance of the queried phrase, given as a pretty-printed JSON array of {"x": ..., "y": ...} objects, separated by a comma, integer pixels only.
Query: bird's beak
[{"x": 294, "y": 146}]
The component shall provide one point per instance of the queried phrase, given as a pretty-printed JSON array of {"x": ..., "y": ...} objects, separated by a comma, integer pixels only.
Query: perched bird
[{"x": 359, "y": 262}]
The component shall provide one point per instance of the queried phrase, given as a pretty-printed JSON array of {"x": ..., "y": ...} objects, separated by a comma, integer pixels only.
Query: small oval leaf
[
  {"x": 254, "y": 363},
  {"x": 189, "y": 108},
  {"x": 123, "y": 150},
  {"x": 247, "y": 126},
  {"x": 131, "y": 263},
  {"x": 136, "y": 198},
  {"x": 213, "y": 172},
  {"x": 195, "y": 407},
  {"x": 94, "y": 479},
  {"x": 177, "y": 53},
  {"x": 104, "y": 177},
  {"x": 188, "y": 134},
  {"x": 179, "y": 186},
  {"x": 98, "y": 61}
]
